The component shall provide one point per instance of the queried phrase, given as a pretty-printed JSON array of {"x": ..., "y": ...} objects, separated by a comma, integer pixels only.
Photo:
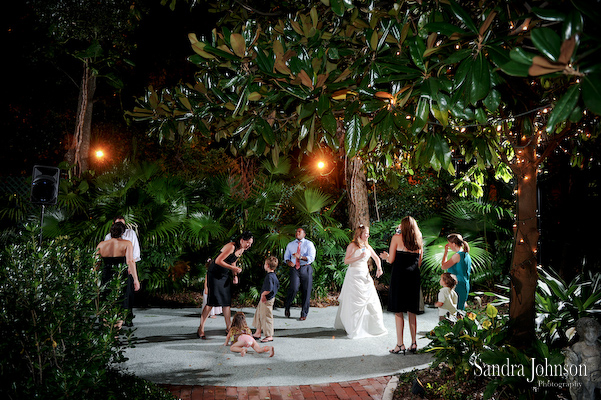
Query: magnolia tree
[{"x": 498, "y": 84}]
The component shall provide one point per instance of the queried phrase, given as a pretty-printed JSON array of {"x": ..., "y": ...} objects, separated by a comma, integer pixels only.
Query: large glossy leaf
[
  {"x": 480, "y": 79},
  {"x": 463, "y": 16},
  {"x": 238, "y": 44},
  {"x": 548, "y": 14},
  {"x": 591, "y": 92},
  {"x": 493, "y": 100},
  {"x": 547, "y": 42},
  {"x": 573, "y": 25},
  {"x": 352, "y": 136},
  {"x": 443, "y": 28},
  {"x": 416, "y": 50},
  {"x": 323, "y": 104},
  {"x": 421, "y": 116},
  {"x": 386, "y": 127},
  {"x": 564, "y": 107},
  {"x": 442, "y": 152},
  {"x": 338, "y": 7},
  {"x": 328, "y": 121},
  {"x": 266, "y": 131},
  {"x": 514, "y": 68}
]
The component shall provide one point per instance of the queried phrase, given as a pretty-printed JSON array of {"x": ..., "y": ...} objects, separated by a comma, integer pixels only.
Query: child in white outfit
[{"x": 447, "y": 297}]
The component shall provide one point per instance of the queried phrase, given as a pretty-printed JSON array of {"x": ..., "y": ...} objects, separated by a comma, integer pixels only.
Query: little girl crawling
[{"x": 241, "y": 337}]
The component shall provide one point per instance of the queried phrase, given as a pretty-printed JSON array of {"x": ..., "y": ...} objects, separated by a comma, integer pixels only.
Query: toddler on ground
[{"x": 241, "y": 337}]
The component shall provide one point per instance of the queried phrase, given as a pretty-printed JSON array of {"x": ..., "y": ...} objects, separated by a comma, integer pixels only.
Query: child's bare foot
[
  {"x": 243, "y": 352},
  {"x": 271, "y": 351}
]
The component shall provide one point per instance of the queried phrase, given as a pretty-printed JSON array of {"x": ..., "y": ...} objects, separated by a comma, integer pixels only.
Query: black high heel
[
  {"x": 400, "y": 348},
  {"x": 413, "y": 347},
  {"x": 198, "y": 335}
]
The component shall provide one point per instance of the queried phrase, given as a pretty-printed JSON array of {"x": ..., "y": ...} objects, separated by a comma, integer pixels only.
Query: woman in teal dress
[{"x": 460, "y": 265}]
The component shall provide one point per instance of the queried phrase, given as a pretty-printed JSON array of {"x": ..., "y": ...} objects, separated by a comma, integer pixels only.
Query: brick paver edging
[{"x": 370, "y": 388}]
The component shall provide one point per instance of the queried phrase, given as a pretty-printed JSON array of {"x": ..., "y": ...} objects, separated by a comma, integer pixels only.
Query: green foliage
[
  {"x": 560, "y": 304},
  {"x": 58, "y": 330},
  {"x": 421, "y": 195},
  {"x": 459, "y": 343}
]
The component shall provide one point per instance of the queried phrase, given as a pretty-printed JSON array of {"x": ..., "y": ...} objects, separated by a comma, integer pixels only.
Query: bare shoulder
[{"x": 351, "y": 246}]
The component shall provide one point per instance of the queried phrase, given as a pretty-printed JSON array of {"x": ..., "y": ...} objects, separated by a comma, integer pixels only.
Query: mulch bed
[{"x": 438, "y": 384}]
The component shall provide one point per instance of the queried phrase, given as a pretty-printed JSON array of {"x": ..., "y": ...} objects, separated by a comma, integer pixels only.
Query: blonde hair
[
  {"x": 412, "y": 236},
  {"x": 358, "y": 232},
  {"x": 239, "y": 320},
  {"x": 457, "y": 239}
]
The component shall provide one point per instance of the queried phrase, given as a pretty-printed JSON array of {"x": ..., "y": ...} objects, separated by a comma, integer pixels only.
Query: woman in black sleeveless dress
[
  {"x": 114, "y": 253},
  {"x": 405, "y": 255},
  {"x": 219, "y": 281}
]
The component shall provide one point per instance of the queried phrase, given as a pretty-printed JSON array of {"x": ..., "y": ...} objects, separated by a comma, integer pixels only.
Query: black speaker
[{"x": 44, "y": 185}]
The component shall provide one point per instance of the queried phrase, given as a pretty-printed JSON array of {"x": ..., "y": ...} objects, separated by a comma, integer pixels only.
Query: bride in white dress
[{"x": 359, "y": 310}]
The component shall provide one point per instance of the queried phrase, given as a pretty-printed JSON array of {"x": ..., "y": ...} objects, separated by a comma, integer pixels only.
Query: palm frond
[
  {"x": 200, "y": 228},
  {"x": 433, "y": 254},
  {"x": 310, "y": 201},
  {"x": 282, "y": 168}
]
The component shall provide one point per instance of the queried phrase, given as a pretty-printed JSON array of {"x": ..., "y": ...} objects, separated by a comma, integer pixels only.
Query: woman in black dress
[
  {"x": 405, "y": 255},
  {"x": 115, "y": 253},
  {"x": 219, "y": 281}
]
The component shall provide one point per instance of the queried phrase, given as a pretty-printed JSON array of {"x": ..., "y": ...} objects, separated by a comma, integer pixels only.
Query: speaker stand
[{"x": 42, "y": 224}]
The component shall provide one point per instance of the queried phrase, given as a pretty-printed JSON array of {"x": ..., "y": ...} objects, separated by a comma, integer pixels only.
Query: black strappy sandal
[
  {"x": 400, "y": 348},
  {"x": 412, "y": 348}
]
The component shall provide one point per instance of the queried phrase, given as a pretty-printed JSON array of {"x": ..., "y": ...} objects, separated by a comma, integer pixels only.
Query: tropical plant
[
  {"x": 459, "y": 343},
  {"x": 560, "y": 304}
]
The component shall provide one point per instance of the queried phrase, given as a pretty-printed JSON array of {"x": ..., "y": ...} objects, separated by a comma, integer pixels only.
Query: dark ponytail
[{"x": 457, "y": 239}]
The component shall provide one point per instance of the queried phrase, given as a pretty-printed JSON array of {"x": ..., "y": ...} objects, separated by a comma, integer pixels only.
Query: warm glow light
[
  {"x": 321, "y": 165},
  {"x": 99, "y": 153}
]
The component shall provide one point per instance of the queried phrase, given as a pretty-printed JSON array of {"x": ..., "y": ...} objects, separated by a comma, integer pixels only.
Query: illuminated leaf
[{"x": 563, "y": 108}]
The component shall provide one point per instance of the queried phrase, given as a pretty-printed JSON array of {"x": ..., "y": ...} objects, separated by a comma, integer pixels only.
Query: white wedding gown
[{"x": 359, "y": 310}]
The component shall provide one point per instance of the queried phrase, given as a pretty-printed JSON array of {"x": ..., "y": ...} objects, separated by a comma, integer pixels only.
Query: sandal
[
  {"x": 265, "y": 340},
  {"x": 400, "y": 348},
  {"x": 413, "y": 347}
]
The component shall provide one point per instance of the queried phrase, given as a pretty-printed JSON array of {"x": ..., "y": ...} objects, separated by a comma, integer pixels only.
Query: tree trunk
[
  {"x": 356, "y": 186},
  {"x": 78, "y": 153},
  {"x": 524, "y": 275}
]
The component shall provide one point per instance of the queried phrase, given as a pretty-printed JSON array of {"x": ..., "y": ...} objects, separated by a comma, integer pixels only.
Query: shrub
[
  {"x": 459, "y": 343},
  {"x": 58, "y": 336}
]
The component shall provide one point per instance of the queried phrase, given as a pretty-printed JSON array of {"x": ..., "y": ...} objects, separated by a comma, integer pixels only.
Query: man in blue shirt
[{"x": 299, "y": 255}]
